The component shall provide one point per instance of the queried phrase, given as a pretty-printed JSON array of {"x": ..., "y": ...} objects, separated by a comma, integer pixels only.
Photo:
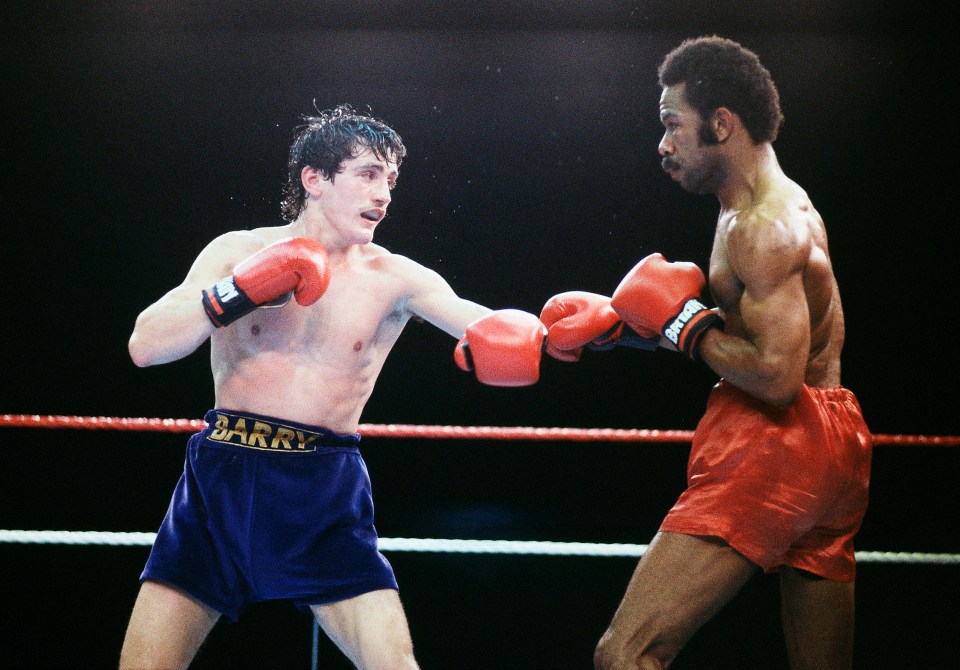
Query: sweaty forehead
[
  {"x": 369, "y": 157},
  {"x": 673, "y": 100}
]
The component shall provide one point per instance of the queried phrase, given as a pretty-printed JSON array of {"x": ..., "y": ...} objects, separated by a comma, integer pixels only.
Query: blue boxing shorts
[{"x": 269, "y": 509}]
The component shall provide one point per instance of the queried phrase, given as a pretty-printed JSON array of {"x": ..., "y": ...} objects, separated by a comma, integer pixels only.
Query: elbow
[
  {"x": 774, "y": 392},
  {"x": 139, "y": 352},
  {"x": 779, "y": 384},
  {"x": 781, "y": 398}
]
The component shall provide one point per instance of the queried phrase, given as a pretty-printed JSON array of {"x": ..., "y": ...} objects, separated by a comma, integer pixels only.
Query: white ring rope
[{"x": 515, "y": 547}]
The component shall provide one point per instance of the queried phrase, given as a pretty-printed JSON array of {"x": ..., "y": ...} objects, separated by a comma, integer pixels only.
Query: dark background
[{"x": 136, "y": 132}]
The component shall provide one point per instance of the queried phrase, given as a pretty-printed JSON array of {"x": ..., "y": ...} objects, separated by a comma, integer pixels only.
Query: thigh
[
  {"x": 679, "y": 584},
  {"x": 371, "y": 629},
  {"x": 818, "y": 617},
  {"x": 166, "y": 628}
]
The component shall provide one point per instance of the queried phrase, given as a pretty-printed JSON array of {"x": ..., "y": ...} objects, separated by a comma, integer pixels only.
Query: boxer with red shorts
[
  {"x": 781, "y": 486},
  {"x": 780, "y": 463}
]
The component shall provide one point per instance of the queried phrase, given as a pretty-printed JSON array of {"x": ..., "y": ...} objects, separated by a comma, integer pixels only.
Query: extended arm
[
  {"x": 436, "y": 303},
  {"x": 502, "y": 347}
]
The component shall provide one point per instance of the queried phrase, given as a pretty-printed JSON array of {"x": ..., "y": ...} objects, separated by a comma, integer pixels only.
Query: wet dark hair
[
  {"x": 325, "y": 141},
  {"x": 721, "y": 73}
]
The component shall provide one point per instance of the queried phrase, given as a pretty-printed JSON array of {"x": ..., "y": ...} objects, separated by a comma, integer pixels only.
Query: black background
[{"x": 136, "y": 132}]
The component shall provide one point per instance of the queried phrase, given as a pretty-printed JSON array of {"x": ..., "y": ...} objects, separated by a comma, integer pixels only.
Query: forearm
[
  {"x": 466, "y": 313},
  {"x": 168, "y": 331},
  {"x": 449, "y": 313},
  {"x": 774, "y": 378}
]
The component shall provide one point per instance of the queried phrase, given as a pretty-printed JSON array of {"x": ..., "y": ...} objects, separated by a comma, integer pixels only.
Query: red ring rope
[{"x": 432, "y": 432}]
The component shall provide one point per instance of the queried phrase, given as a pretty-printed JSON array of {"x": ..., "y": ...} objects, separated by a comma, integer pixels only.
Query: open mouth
[{"x": 372, "y": 215}]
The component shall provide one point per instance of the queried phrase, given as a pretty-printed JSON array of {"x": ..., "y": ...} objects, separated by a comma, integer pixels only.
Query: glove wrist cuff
[
  {"x": 225, "y": 302},
  {"x": 689, "y": 326}
]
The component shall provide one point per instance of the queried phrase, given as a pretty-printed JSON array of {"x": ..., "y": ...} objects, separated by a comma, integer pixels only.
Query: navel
[{"x": 358, "y": 346}]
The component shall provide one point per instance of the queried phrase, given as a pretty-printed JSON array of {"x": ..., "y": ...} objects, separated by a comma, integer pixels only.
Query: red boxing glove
[
  {"x": 664, "y": 297},
  {"x": 297, "y": 264},
  {"x": 577, "y": 319},
  {"x": 503, "y": 348}
]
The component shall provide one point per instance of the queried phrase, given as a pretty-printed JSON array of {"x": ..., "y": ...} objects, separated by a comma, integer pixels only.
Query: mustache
[{"x": 669, "y": 163}]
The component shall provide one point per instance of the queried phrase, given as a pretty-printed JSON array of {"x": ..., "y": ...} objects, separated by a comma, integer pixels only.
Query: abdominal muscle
[
  {"x": 287, "y": 387},
  {"x": 310, "y": 375}
]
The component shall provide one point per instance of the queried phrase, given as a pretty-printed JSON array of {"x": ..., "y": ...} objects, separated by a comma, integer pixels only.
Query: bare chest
[
  {"x": 353, "y": 323},
  {"x": 725, "y": 287}
]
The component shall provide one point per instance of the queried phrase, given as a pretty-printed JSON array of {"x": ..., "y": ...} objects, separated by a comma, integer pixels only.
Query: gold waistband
[{"x": 266, "y": 434}]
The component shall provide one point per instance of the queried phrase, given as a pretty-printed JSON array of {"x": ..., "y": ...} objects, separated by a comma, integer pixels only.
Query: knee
[
  {"x": 603, "y": 656},
  {"x": 393, "y": 659},
  {"x": 406, "y": 663},
  {"x": 635, "y": 653}
]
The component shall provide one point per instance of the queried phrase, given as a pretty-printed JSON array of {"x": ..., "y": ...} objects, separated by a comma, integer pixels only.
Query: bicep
[
  {"x": 773, "y": 311},
  {"x": 214, "y": 262},
  {"x": 775, "y": 318}
]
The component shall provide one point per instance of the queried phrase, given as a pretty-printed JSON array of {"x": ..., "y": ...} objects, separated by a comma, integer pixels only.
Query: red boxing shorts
[
  {"x": 269, "y": 509},
  {"x": 781, "y": 486}
]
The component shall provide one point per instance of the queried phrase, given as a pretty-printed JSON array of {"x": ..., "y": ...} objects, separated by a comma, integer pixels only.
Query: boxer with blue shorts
[
  {"x": 269, "y": 509},
  {"x": 300, "y": 319}
]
